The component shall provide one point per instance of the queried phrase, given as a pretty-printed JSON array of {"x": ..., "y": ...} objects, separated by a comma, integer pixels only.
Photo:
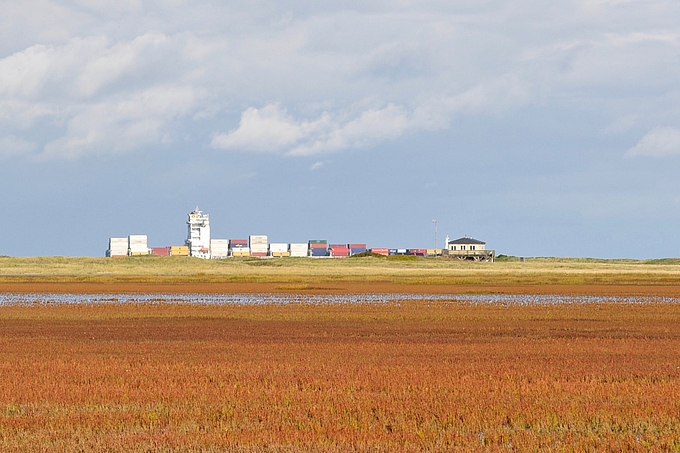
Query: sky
[{"x": 541, "y": 128}]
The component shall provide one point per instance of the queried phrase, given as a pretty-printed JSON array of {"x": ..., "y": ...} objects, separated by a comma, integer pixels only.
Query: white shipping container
[
  {"x": 240, "y": 250},
  {"x": 259, "y": 248},
  {"x": 258, "y": 239},
  {"x": 299, "y": 249},
  {"x": 278, "y": 247},
  {"x": 219, "y": 246}
]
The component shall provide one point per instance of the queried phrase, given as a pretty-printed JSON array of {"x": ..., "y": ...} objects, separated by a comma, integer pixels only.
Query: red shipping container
[
  {"x": 258, "y": 254},
  {"x": 160, "y": 251},
  {"x": 317, "y": 246},
  {"x": 380, "y": 251},
  {"x": 357, "y": 246}
]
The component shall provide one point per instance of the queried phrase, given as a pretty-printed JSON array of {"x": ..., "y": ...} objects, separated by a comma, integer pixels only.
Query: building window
[
  {"x": 472, "y": 247},
  {"x": 462, "y": 247}
]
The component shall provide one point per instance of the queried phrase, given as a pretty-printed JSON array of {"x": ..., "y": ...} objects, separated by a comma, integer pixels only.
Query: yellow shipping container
[
  {"x": 241, "y": 254},
  {"x": 431, "y": 252},
  {"x": 279, "y": 254},
  {"x": 138, "y": 253},
  {"x": 179, "y": 250}
]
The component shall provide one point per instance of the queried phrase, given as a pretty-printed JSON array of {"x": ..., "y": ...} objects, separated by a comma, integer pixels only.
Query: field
[
  {"x": 361, "y": 275},
  {"x": 417, "y": 375},
  {"x": 409, "y": 377}
]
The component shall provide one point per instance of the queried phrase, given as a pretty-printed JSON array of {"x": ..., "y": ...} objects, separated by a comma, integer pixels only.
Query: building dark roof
[{"x": 467, "y": 241}]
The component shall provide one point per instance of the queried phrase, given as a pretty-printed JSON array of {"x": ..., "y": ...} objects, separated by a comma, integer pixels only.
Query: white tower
[{"x": 198, "y": 234}]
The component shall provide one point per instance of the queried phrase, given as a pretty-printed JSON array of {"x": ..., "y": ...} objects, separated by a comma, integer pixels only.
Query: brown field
[{"x": 416, "y": 376}]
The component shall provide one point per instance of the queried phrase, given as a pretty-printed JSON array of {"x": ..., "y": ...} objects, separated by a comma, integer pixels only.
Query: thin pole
[{"x": 435, "y": 234}]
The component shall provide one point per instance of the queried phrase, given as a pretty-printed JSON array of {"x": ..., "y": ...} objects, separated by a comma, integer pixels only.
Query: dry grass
[
  {"x": 413, "y": 377},
  {"x": 432, "y": 271}
]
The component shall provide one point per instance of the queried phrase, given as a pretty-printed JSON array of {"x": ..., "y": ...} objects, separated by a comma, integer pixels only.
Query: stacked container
[
  {"x": 259, "y": 245},
  {"x": 418, "y": 252},
  {"x": 318, "y": 247},
  {"x": 299, "y": 250},
  {"x": 219, "y": 248},
  {"x": 117, "y": 247},
  {"x": 239, "y": 247},
  {"x": 160, "y": 251},
  {"x": 179, "y": 250},
  {"x": 356, "y": 248},
  {"x": 278, "y": 249},
  {"x": 137, "y": 245},
  {"x": 380, "y": 251},
  {"x": 339, "y": 250}
]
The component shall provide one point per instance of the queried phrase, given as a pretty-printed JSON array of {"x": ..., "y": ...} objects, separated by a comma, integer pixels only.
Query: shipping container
[
  {"x": 280, "y": 254},
  {"x": 138, "y": 253},
  {"x": 380, "y": 251},
  {"x": 401, "y": 251},
  {"x": 259, "y": 254},
  {"x": 258, "y": 239},
  {"x": 240, "y": 253},
  {"x": 238, "y": 241},
  {"x": 356, "y": 246},
  {"x": 160, "y": 251},
  {"x": 318, "y": 242},
  {"x": 179, "y": 250},
  {"x": 278, "y": 247},
  {"x": 318, "y": 252}
]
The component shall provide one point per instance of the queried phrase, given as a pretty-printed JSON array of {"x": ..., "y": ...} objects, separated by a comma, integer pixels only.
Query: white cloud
[
  {"x": 119, "y": 126},
  {"x": 14, "y": 146},
  {"x": 385, "y": 69},
  {"x": 272, "y": 129},
  {"x": 659, "y": 142},
  {"x": 269, "y": 129}
]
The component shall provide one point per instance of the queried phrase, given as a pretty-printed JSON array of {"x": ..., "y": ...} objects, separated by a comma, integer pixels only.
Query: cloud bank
[{"x": 82, "y": 78}]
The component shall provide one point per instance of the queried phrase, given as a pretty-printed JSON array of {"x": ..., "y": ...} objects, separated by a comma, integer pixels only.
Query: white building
[
  {"x": 198, "y": 234},
  {"x": 467, "y": 248}
]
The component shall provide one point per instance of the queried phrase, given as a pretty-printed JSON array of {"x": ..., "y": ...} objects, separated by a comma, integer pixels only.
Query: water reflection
[{"x": 16, "y": 299}]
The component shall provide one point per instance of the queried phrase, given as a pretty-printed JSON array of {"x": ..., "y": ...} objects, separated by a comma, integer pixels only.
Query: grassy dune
[{"x": 420, "y": 271}]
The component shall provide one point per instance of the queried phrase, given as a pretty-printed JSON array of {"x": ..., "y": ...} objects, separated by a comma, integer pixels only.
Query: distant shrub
[
  {"x": 368, "y": 254},
  {"x": 402, "y": 258}
]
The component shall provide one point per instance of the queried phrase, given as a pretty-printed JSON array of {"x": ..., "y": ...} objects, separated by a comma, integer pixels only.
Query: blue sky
[{"x": 543, "y": 129}]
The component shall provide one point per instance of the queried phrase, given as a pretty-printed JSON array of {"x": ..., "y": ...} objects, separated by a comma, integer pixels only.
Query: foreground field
[
  {"x": 409, "y": 377},
  {"x": 304, "y": 274}
]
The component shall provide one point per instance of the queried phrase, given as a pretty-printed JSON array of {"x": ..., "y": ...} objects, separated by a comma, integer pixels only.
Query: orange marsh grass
[{"x": 409, "y": 377}]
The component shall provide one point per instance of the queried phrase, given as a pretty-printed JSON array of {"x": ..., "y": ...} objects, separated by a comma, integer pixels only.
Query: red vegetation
[{"x": 414, "y": 377}]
